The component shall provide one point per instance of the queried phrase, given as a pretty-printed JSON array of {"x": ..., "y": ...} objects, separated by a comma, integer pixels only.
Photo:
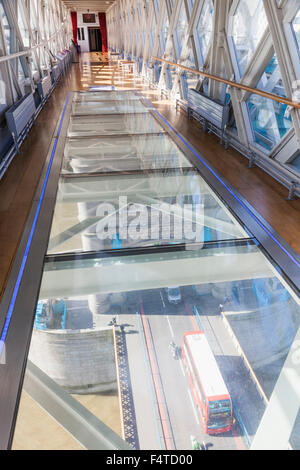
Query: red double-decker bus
[{"x": 207, "y": 384}]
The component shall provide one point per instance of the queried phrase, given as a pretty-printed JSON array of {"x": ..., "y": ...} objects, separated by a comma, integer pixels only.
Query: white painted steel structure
[
  {"x": 255, "y": 43},
  {"x": 32, "y": 32}
]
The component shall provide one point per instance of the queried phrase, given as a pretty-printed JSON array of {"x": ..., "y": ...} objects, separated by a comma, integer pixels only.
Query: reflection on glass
[
  {"x": 256, "y": 308},
  {"x": 270, "y": 120},
  {"x": 108, "y": 107},
  {"x": 86, "y": 97},
  {"x": 112, "y": 124},
  {"x": 112, "y": 212},
  {"x": 122, "y": 154}
]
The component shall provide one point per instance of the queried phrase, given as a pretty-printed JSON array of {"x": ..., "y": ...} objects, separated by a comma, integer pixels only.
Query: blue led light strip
[
  {"x": 228, "y": 189},
  {"x": 22, "y": 267}
]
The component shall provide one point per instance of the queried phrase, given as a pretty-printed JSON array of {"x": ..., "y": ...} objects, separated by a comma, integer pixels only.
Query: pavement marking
[
  {"x": 148, "y": 372},
  {"x": 155, "y": 376},
  {"x": 238, "y": 440},
  {"x": 193, "y": 406},
  {"x": 191, "y": 315},
  {"x": 162, "y": 299},
  {"x": 181, "y": 366},
  {"x": 74, "y": 308},
  {"x": 170, "y": 326}
]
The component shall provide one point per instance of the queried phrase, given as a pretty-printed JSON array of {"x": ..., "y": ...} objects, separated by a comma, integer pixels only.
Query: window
[
  {"x": 139, "y": 10},
  {"x": 249, "y": 25},
  {"x": 170, "y": 76},
  {"x": 295, "y": 164},
  {"x": 296, "y": 29},
  {"x": 21, "y": 73},
  {"x": 152, "y": 36},
  {"x": 80, "y": 32},
  {"x": 7, "y": 28},
  {"x": 188, "y": 79},
  {"x": 204, "y": 29},
  {"x": 164, "y": 31},
  {"x": 181, "y": 29},
  {"x": 156, "y": 6},
  {"x": 23, "y": 27},
  {"x": 270, "y": 120},
  {"x": 3, "y": 95},
  {"x": 191, "y": 4}
]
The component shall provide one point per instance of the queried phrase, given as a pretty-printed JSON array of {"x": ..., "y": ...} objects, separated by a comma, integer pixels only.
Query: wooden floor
[{"x": 18, "y": 186}]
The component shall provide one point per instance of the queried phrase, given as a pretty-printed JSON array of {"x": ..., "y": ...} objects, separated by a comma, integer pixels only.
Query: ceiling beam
[{"x": 84, "y": 5}]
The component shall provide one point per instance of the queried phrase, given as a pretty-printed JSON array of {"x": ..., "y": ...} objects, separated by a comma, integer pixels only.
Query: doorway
[{"x": 95, "y": 40}]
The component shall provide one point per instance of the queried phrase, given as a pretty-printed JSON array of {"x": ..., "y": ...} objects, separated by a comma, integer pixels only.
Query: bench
[
  {"x": 127, "y": 65},
  {"x": 55, "y": 73},
  {"x": 114, "y": 57},
  {"x": 20, "y": 118},
  {"x": 211, "y": 113},
  {"x": 149, "y": 73},
  {"x": 45, "y": 88}
]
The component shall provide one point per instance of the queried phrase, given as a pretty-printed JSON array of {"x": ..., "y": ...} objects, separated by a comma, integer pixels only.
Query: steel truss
[
  {"x": 144, "y": 29},
  {"x": 32, "y": 32}
]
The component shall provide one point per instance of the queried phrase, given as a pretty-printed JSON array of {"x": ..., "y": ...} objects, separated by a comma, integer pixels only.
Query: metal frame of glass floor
[{"x": 132, "y": 241}]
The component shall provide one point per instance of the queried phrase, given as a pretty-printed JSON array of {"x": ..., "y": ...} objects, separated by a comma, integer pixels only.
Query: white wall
[{"x": 84, "y": 45}]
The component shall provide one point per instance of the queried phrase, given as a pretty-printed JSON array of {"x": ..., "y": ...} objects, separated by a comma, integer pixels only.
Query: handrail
[
  {"x": 28, "y": 51},
  {"x": 240, "y": 86}
]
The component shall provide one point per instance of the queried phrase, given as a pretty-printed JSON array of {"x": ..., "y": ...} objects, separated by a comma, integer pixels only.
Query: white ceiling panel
[{"x": 84, "y": 5}]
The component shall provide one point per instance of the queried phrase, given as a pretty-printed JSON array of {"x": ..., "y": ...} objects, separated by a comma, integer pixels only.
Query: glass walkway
[{"x": 155, "y": 288}]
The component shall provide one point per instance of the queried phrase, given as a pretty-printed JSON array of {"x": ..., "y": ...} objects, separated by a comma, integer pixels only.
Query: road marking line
[
  {"x": 193, "y": 406},
  {"x": 192, "y": 315},
  {"x": 181, "y": 366},
  {"x": 155, "y": 374},
  {"x": 148, "y": 373},
  {"x": 170, "y": 326},
  {"x": 162, "y": 299}
]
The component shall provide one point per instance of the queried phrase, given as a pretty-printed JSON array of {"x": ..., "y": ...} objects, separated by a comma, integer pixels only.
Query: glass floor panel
[
  {"x": 157, "y": 299},
  {"x": 108, "y": 107},
  {"x": 189, "y": 335},
  {"x": 121, "y": 154},
  {"x": 111, "y": 212},
  {"x": 86, "y": 97},
  {"x": 112, "y": 125}
]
